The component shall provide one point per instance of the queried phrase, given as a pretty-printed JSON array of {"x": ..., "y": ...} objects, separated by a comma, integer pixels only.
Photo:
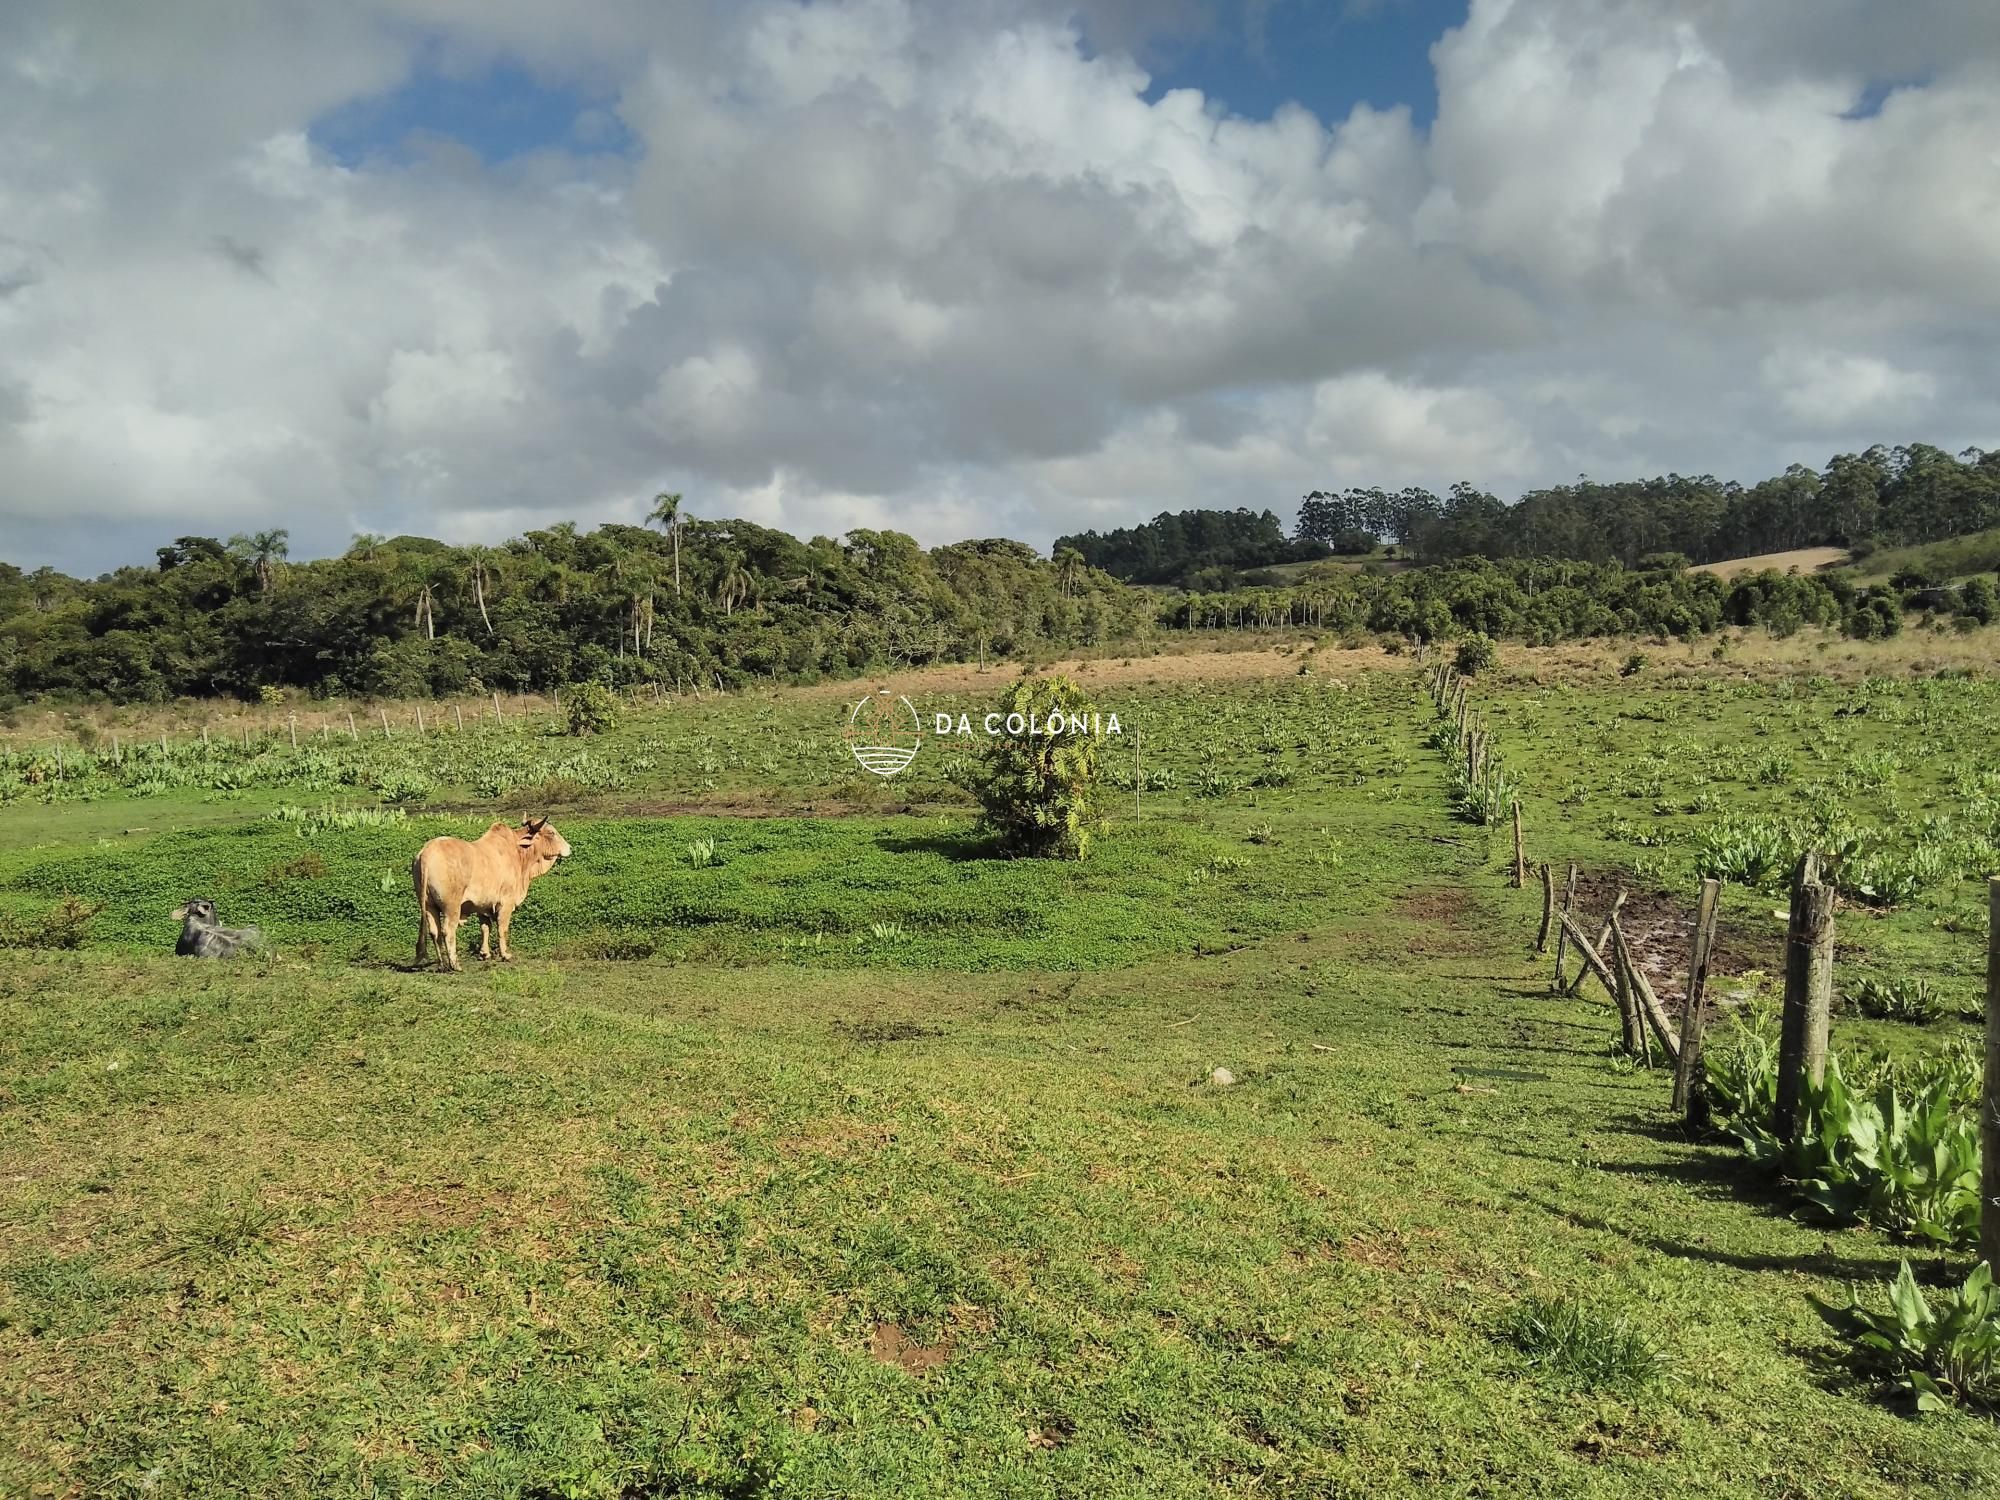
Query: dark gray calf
[{"x": 202, "y": 937}]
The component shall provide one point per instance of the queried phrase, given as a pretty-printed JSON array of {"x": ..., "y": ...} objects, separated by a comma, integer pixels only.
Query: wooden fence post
[
  {"x": 1138, "y": 777},
  {"x": 1690, "y": 1090},
  {"x": 1520, "y": 866},
  {"x": 1633, "y": 1027},
  {"x": 498, "y": 717},
  {"x": 420, "y": 721},
  {"x": 1808, "y": 995},
  {"x": 352, "y": 732},
  {"x": 459, "y": 716},
  {"x": 1989, "y": 1114},
  {"x": 385, "y": 724},
  {"x": 295, "y": 731},
  {"x": 1562, "y": 927},
  {"x": 1603, "y": 937},
  {"x": 1548, "y": 908}
]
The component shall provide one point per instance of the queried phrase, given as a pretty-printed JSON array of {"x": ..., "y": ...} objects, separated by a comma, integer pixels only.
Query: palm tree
[
  {"x": 365, "y": 545},
  {"x": 1069, "y": 569},
  {"x": 481, "y": 564},
  {"x": 426, "y": 620},
  {"x": 266, "y": 553},
  {"x": 737, "y": 585},
  {"x": 666, "y": 514}
]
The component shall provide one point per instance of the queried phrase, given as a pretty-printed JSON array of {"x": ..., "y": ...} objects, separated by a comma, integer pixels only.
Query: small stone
[{"x": 1222, "y": 1078}]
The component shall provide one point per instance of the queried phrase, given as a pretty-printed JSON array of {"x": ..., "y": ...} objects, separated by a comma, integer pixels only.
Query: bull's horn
[{"x": 536, "y": 825}]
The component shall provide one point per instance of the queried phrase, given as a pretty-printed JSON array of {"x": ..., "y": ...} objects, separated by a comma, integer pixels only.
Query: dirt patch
[
  {"x": 1660, "y": 929},
  {"x": 884, "y": 1031},
  {"x": 448, "y": 1205},
  {"x": 891, "y": 1346},
  {"x": 1439, "y": 912},
  {"x": 1803, "y": 560}
]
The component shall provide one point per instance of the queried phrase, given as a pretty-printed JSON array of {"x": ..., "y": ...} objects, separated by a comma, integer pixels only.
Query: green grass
[
  {"x": 945, "y": 1213},
  {"x": 1957, "y": 558}
]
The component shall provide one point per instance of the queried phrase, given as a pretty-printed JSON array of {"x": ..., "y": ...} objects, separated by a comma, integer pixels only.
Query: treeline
[
  {"x": 411, "y": 617},
  {"x": 1883, "y": 497},
  {"x": 1193, "y": 549},
  {"x": 733, "y": 602},
  {"x": 1543, "y": 602}
]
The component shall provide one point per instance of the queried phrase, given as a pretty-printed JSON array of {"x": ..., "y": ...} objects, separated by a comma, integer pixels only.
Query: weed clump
[{"x": 1582, "y": 1345}]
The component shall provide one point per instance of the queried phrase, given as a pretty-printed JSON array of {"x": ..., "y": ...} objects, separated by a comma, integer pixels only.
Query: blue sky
[
  {"x": 1324, "y": 55},
  {"x": 1252, "y": 59}
]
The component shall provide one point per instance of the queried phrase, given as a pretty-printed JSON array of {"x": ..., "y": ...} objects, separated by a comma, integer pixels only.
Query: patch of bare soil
[
  {"x": 1439, "y": 909},
  {"x": 891, "y": 1346},
  {"x": 1659, "y": 928}
]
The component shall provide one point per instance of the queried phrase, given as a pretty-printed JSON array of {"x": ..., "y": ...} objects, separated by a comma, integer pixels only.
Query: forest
[
  {"x": 723, "y": 600},
  {"x": 1884, "y": 496}
]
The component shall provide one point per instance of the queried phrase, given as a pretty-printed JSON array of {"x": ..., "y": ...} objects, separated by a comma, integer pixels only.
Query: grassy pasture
[{"x": 786, "y": 1206}]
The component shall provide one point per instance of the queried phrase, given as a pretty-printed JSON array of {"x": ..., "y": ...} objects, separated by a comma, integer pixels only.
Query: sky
[{"x": 979, "y": 268}]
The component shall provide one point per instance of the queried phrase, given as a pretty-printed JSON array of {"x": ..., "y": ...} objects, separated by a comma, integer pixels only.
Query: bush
[
  {"x": 1634, "y": 665},
  {"x": 1476, "y": 654},
  {"x": 1038, "y": 791},
  {"x": 1942, "y": 1354},
  {"x": 589, "y": 708},
  {"x": 1977, "y": 601},
  {"x": 1915, "y": 1000},
  {"x": 62, "y": 926}
]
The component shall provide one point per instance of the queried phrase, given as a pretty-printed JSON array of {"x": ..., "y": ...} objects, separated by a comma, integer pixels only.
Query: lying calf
[{"x": 203, "y": 937}]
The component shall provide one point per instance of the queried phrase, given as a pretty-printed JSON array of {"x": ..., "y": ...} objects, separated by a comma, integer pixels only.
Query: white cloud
[{"x": 948, "y": 269}]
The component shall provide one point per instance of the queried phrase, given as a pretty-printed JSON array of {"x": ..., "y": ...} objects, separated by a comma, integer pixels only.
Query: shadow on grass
[
  {"x": 952, "y": 846},
  {"x": 1881, "y": 1265}
]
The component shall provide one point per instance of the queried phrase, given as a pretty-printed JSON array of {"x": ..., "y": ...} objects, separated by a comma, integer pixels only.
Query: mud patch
[
  {"x": 889, "y": 1345},
  {"x": 1660, "y": 929}
]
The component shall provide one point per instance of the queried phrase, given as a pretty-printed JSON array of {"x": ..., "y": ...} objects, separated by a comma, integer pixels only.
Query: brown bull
[{"x": 484, "y": 878}]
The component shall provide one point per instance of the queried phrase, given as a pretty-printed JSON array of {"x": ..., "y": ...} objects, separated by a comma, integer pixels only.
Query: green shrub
[
  {"x": 1912, "y": 999},
  {"x": 1038, "y": 792},
  {"x": 1898, "y": 1148},
  {"x": 589, "y": 708},
  {"x": 1476, "y": 654},
  {"x": 62, "y": 926},
  {"x": 1634, "y": 665},
  {"x": 1940, "y": 1354}
]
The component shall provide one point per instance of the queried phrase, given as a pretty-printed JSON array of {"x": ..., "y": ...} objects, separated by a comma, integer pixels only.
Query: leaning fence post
[
  {"x": 1603, "y": 937},
  {"x": 1690, "y": 1083},
  {"x": 352, "y": 732},
  {"x": 1628, "y": 997},
  {"x": 1989, "y": 1114},
  {"x": 1808, "y": 995},
  {"x": 1548, "y": 906},
  {"x": 385, "y": 723},
  {"x": 459, "y": 715},
  {"x": 1520, "y": 866},
  {"x": 498, "y": 717}
]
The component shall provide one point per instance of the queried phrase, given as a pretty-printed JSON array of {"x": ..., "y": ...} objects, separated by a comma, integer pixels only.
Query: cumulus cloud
[{"x": 958, "y": 271}]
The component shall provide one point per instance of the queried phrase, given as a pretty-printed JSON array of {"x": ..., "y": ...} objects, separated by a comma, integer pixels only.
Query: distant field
[
  {"x": 1803, "y": 560},
  {"x": 1958, "y": 558},
  {"x": 856, "y": 1160}
]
